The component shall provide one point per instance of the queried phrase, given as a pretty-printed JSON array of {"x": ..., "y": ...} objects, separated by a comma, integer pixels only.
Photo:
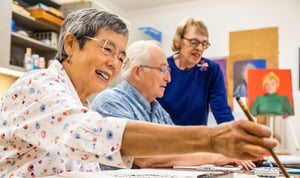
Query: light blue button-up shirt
[{"x": 125, "y": 101}]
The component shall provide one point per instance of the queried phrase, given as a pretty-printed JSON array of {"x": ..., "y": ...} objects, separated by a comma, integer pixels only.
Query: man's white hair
[{"x": 138, "y": 53}]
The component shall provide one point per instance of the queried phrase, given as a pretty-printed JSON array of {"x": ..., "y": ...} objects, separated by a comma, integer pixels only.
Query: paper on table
[
  {"x": 80, "y": 175},
  {"x": 135, "y": 173},
  {"x": 238, "y": 175},
  {"x": 151, "y": 173},
  {"x": 211, "y": 167}
]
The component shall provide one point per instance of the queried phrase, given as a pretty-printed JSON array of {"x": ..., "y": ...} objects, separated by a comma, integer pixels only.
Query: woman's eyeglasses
[
  {"x": 109, "y": 49},
  {"x": 194, "y": 43}
]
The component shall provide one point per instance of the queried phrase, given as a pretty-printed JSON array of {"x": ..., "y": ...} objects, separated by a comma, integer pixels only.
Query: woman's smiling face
[
  {"x": 92, "y": 69},
  {"x": 192, "y": 54}
]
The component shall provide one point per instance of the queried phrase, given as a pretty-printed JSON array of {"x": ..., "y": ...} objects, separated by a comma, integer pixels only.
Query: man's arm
[{"x": 190, "y": 159}]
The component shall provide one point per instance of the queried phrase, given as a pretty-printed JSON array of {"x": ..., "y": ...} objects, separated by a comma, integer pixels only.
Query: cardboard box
[
  {"x": 56, "y": 12},
  {"x": 42, "y": 14},
  {"x": 20, "y": 9}
]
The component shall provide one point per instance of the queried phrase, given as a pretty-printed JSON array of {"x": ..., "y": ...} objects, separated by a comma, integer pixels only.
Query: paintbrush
[{"x": 250, "y": 118}]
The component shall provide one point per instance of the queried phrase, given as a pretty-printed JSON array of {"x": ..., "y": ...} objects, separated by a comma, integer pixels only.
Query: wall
[
  {"x": 5, "y": 83},
  {"x": 224, "y": 16}
]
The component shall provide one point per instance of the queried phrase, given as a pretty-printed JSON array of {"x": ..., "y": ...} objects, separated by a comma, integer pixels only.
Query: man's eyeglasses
[
  {"x": 194, "y": 43},
  {"x": 109, "y": 49},
  {"x": 163, "y": 68}
]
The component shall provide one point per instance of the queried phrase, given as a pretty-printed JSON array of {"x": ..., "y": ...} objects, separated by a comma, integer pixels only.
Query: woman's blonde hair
[
  {"x": 181, "y": 28},
  {"x": 270, "y": 76}
]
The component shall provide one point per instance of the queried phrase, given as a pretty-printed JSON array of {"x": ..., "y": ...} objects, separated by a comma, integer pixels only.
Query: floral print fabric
[{"x": 46, "y": 130}]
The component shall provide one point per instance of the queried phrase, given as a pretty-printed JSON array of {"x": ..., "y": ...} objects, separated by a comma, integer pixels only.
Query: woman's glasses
[
  {"x": 194, "y": 43},
  {"x": 108, "y": 48}
]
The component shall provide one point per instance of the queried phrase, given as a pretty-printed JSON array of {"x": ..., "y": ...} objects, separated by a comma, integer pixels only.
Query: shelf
[
  {"x": 41, "y": 14},
  {"x": 26, "y": 42},
  {"x": 47, "y": 2},
  {"x": 13, "y": 71},
  {"x": 34, "y": 2},
  {"x": 33, "y": 23},
  {"x": 14, "y": 44}
]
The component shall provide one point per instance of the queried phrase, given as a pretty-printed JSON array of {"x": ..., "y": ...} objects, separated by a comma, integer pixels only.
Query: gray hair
[
  {"x": 88, "y": 22},
  {"x": 138, "y": 53},
  {"x": 249, "y": 66}
]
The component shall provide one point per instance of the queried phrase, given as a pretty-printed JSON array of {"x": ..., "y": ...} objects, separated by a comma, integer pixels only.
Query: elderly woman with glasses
[
  {"x": 47, "y": 128},
  {"x": 197, "y": 83}
]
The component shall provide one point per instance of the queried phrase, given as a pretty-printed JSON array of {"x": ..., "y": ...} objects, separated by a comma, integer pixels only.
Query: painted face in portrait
[
  {"x": 245, "y": 71},
  {"x": 271, "y": 86}
]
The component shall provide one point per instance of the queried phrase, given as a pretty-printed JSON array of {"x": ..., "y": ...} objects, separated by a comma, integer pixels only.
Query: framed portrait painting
[{"x": 270, "y": 92}]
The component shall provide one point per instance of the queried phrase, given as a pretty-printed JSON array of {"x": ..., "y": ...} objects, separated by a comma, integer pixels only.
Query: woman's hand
[{"x": 241, "y": 139}]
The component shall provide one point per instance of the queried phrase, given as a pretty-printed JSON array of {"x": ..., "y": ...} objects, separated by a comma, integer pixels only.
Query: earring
[{"x": 68, "y": 59}]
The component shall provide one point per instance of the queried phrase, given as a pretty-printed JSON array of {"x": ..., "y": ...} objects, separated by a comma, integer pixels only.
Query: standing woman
[{"x": 197, "y": 83}]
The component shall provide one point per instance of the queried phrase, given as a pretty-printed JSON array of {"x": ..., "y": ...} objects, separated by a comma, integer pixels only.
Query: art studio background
[{"x": 226, "y": 20}]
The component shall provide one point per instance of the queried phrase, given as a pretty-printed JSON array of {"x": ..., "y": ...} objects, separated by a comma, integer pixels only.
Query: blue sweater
[{"x": 190, "y": 92}]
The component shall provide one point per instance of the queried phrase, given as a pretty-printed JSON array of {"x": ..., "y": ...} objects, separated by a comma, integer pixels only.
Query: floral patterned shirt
[{"x": 46, "y": 130}]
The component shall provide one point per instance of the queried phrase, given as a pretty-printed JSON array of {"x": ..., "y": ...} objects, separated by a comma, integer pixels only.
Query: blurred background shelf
[
  {"x": 26, "y": 42},
  {"x": 33, "y": 23},
  {"x": 26, "y": 3},
  {"x": 19, "y": 30}
]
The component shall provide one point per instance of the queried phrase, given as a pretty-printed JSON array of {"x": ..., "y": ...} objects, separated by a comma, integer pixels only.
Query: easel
[
  {"x": 293, "y": 135},
  {"x": 270, "y": 123},
  {"x": 270, "y": 120}
]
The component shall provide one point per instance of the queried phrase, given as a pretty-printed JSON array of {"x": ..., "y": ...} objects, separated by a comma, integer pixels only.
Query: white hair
[{"x": 138, "y": 53}]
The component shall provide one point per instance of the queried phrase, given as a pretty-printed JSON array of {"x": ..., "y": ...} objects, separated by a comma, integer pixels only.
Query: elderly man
[{"x": 146, "y": 73}]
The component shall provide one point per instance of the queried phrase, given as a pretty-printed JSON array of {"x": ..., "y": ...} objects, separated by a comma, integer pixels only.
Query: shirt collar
[
  {"x": 125, "y": 86},
  {"x": 58, "y": 67}
]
